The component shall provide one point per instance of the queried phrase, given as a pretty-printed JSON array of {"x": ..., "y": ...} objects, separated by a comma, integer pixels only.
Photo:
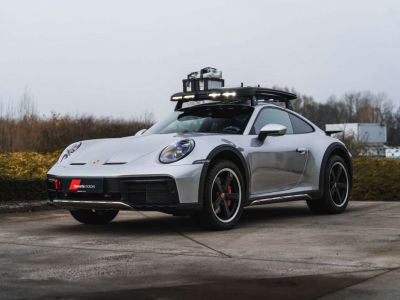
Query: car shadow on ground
[
  {"x": 163, "y": 224},
  {"x": 295, "y": 287}
]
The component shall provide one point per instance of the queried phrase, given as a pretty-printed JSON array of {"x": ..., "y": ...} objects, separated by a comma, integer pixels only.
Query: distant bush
[
  {"x": 57, "y": 132},
  {"x": 376, "y": 179},
  {"x": 23, "y": 174},
  {"x": 22, "y": 129},
  {"x": 26, "y": 165},
  {"x": 355, "y": 146},
  {"x": 22, "y": 189}
]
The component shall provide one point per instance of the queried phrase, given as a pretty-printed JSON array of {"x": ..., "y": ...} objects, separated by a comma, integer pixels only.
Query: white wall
[{"x": 370, "y": 133}]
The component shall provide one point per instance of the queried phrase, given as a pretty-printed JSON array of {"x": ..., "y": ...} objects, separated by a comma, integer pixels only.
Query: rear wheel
[
  {"x": 94, "y": 216},
  {"x": 336, "y": 188},
  {"x": 224, "y": 196}
]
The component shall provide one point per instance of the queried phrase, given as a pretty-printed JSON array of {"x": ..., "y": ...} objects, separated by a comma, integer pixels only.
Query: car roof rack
[{"x": 251, "y": 95}]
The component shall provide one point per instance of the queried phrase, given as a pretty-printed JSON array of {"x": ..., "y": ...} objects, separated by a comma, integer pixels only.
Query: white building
[
  {"x": 373, "y": 135},
  {"x": 392, "y": 153}
]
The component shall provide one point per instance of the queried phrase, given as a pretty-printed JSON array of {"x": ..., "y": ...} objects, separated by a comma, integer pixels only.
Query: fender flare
[
  {"x": 217, "y": 150},
  {"x": 328, "y": 152}
]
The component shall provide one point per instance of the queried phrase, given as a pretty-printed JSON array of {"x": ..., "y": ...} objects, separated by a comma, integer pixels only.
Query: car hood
[
  {"x": 144, "y": 149},
  {"x": 120, "y": 150}
]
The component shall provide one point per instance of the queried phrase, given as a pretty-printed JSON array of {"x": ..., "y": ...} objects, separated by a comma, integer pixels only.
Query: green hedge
[
  {"x": 376, "y": 179},
  {"x": 26, "y": 165},
  {"x": 22, "y": 189},
  {"x": 23, "y": 174}
]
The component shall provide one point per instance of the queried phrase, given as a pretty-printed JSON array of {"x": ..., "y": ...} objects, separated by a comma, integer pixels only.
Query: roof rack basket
[{"x": 251, "y": 95}]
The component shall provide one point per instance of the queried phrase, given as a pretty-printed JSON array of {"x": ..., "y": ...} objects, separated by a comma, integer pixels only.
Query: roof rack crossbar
[{"x": 254, "y": 94}]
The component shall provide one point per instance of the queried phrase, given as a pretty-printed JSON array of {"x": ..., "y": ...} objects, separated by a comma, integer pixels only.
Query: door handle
[{"x": 302, "y": 150}]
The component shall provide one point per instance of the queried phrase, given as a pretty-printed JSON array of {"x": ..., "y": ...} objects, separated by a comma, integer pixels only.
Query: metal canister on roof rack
[{"x": 208, "y": 78}]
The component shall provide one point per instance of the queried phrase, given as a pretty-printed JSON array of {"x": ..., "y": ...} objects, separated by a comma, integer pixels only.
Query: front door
[{"x": 278, "y": 163}]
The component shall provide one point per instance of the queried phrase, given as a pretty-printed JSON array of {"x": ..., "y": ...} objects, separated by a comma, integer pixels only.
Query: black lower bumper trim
[
  {"x": 158, "y": 193},
  {"x": 100, "y": 204}
]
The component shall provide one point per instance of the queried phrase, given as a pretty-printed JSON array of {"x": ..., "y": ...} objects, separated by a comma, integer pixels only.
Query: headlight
[
  {"x": 71, "y": 149},
  {"x": 176, "y": 151}
]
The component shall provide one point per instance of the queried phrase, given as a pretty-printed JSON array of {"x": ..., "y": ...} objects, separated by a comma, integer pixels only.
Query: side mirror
[
  {"x": 140, "y": 132},
  {"x": 271, "y": 130}
]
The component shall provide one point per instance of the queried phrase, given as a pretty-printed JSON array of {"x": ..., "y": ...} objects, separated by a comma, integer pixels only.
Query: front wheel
[
  {"x": 223, "y": 196},
  {"x": 336, "y": 188},
  {"x": 94, "y": 216}
]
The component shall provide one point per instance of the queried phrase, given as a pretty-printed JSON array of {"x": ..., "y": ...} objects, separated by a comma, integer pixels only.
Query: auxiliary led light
[
  {"x": 214, "y": 95},
  {"x": 177, "y": 98},
  {"x": 188, "y": 97},
  {"x": 229, "y": 94}
]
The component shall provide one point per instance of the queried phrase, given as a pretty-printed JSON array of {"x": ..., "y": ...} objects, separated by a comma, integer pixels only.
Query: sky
[{"x": 125, "y": 58}]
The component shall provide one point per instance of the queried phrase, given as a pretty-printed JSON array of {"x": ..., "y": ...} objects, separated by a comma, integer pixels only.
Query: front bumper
[
  {"x": 123, "y": 193},
  {"x": 177, "y": 188}
]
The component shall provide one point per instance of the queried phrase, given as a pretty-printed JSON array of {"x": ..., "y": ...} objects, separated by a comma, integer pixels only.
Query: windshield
[{"x": 225, "y": 119}]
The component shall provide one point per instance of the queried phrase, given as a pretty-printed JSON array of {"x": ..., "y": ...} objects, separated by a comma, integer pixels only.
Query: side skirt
[{"x": 280, "y": 199}]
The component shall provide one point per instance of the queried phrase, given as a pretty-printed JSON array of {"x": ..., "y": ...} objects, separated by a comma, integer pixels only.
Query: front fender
[
  {"x": 339, "y": 149},
  {"x": 216, "y": 153}
]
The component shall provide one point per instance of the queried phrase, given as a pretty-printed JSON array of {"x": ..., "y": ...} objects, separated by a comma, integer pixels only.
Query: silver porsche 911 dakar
[{"x": 222, "y": 149}]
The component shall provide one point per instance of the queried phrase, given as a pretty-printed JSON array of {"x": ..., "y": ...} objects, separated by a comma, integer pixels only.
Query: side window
[
  {"x": 300, "y": 126},
  {"x": 272, "y": 116}
]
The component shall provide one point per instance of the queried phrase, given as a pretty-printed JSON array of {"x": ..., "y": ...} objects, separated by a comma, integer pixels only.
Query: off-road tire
[
  {"x": 333, "y": 200},
  {"x": 208, "y": 216}
]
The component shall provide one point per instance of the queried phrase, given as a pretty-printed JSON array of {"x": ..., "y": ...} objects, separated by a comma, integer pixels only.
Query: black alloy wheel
[
  {"x": 224, "y": 196},
  {"x": 337, "y": 186}
]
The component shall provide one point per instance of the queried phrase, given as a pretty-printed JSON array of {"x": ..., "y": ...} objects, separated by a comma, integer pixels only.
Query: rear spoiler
[{"x": 330, "y": 132}]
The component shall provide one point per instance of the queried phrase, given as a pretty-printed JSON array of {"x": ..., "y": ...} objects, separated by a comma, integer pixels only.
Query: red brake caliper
[{"x": 229, "y": 191}]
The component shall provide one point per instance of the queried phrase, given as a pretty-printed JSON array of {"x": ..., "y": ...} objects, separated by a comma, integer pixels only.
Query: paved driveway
[{"x": 279, "y": 251}]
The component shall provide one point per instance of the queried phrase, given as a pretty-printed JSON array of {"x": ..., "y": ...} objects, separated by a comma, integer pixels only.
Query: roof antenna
[
  {"x": 241, "y": 84},
  {"x": 258, "y": 85}
]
